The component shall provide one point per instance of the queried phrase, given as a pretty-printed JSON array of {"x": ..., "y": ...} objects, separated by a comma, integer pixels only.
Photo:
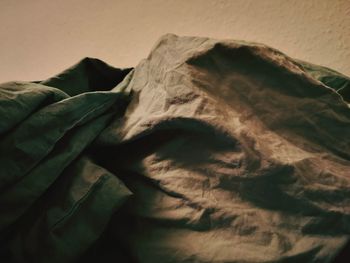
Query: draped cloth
[{"x": 207, "y": 151}]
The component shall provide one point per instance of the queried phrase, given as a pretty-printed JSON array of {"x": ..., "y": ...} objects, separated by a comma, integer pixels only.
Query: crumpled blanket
[{"x": 207, "y": 151}]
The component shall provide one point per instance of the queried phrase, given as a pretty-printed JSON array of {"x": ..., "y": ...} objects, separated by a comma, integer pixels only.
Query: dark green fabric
[
  {"x": 329, "y": 77},
  {"x": 207, "y": 151},
  {"x": 54, "y": 201}
]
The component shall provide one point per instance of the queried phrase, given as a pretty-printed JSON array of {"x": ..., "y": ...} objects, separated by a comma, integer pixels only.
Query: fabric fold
[{"x": 207, "y": 151}]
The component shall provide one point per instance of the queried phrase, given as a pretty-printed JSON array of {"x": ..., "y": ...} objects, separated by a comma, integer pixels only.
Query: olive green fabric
[{"x": 208, "y": 151}]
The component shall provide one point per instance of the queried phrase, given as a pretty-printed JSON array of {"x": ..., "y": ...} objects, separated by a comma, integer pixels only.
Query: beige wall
[{"x": 39, "y": 38}]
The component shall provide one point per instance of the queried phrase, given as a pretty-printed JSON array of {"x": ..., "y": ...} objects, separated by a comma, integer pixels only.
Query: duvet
[{"x": 207, "y": 151}]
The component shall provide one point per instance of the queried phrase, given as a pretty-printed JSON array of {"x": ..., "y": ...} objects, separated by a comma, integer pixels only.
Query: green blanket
[{"x": 207, "y": 151}]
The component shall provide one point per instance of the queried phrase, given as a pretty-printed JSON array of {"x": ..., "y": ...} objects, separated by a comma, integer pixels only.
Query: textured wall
[{"x": 40, "y": 37}]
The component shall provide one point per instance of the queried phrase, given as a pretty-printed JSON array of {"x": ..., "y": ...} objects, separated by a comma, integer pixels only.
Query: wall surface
[{"x": 39, "y": 38}]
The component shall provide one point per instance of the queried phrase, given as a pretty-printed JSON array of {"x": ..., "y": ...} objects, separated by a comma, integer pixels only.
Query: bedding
[{"x": 207, "y": 151}]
